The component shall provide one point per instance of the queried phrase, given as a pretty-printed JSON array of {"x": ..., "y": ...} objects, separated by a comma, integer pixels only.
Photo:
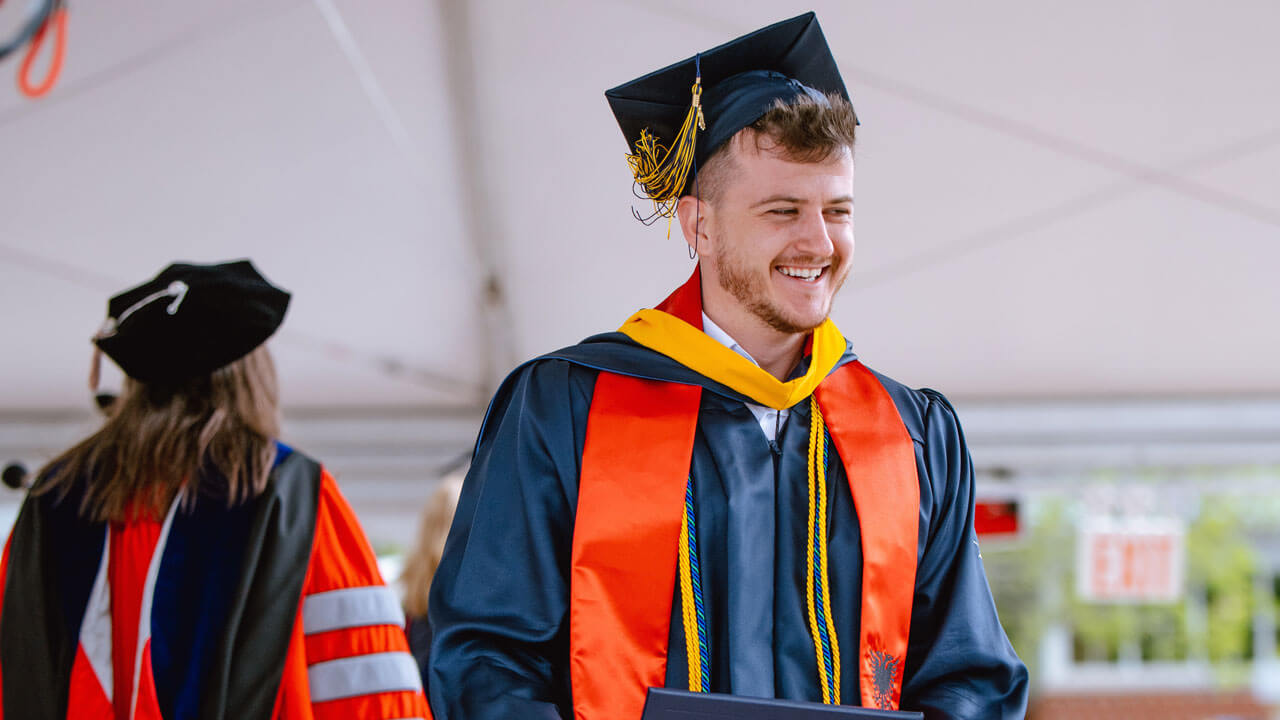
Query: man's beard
[{"x": 750, "y": 290}]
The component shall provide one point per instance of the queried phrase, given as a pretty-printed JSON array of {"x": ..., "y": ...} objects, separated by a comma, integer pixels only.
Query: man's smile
[{"x": 806, "y": 274}]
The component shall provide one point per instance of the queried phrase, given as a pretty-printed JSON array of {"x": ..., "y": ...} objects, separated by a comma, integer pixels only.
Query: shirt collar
[{"x": 717, "y": 333}]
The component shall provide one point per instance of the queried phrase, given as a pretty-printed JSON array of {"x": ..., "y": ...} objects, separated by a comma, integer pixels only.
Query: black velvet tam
[
  {"x": 741, "y": 80},
  {"x": 191, "y": 320}
]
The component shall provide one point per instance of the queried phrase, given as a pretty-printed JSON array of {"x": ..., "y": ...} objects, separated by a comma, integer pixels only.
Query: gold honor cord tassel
[
  {"x": 815, "y": 437},
  {"x": 826, "y": 644},
  {"x": 688, "y": 612},
  {"x": 661, "y": 172}
]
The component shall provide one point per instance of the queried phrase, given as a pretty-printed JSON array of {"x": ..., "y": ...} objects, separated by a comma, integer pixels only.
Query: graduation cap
[
  {"x": 742, "y": 80},
  {"x": 190, "y": 320}
]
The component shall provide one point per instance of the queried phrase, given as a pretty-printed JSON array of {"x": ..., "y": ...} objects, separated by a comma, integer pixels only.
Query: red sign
[{"x": 995, "y": 519}]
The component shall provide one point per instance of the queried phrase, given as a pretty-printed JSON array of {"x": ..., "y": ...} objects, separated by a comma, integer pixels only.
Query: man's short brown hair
[{"x": 804, "y": 130}]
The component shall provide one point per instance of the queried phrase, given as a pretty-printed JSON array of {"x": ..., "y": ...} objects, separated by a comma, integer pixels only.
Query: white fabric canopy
[{"x": 1053, "y": 200}]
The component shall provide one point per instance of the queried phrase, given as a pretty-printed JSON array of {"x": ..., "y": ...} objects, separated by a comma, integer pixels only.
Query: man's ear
[{"x": 695, "y": 216}]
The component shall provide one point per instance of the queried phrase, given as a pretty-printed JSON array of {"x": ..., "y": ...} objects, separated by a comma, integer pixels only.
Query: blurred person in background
[
  {"x": 720, "y": 497},
  {"x": 181, "y": 562},
  {"x": 420, "y": 566}
]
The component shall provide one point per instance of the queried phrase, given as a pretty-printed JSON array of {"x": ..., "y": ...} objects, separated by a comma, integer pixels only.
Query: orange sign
[{"x": 1130, "y": 560}]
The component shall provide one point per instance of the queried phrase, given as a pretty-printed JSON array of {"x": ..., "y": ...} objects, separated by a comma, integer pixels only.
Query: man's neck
[{"x": 775, "y": 352}]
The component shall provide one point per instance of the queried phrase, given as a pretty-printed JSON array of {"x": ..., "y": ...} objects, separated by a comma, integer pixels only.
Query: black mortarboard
[
  {"x": 739, "y": 81},
  {"x": 190, "y": 320}
]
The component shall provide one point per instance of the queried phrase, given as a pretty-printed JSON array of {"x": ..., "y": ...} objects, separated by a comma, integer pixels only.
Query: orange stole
[
  {"x": 635, "y": 462},
  {"x": 880, "y": 462}
]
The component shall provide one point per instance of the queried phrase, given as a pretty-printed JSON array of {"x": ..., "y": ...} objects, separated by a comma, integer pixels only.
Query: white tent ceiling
[{"x": 1053, "y": 199}]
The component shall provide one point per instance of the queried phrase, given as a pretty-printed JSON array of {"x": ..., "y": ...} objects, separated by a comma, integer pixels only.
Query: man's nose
[{"x": 813, "y": 235}]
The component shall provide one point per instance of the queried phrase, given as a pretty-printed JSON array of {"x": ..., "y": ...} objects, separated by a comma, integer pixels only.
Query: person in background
[
  {"x": 720, "y": 497},
  {"x": 420, "y": 566},
  {"x": 181, "y": 562}
]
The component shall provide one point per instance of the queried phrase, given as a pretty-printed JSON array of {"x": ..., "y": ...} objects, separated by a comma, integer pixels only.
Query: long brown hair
[
  {"x": 420, "y": 566},
  {"x": 160, "y": 439}
]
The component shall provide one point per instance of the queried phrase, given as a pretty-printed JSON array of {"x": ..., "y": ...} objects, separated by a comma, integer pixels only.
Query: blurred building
[{"x": 1208, "y": 469}]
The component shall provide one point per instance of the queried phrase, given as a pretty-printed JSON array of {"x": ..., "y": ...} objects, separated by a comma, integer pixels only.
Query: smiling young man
[
  {"x": 773, "y": 222},
  {"x": 719, "y": 496}
]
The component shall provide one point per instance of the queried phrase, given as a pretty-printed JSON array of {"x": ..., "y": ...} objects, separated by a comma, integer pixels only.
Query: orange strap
[
  {"x": 635, "y": 464},
  {"x": 58, "y": 18}
]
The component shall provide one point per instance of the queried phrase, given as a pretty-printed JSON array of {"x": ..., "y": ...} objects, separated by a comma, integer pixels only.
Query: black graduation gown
[{"x": 499, "y": 601}]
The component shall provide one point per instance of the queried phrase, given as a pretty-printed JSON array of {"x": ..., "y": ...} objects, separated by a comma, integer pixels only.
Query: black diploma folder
[{"x": 664, "y": 704}]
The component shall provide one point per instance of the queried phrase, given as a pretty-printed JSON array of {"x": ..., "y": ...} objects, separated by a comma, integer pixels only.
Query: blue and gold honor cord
[
  {"x": 695, "y": 619},
  {"x": 826, "y": 644}
]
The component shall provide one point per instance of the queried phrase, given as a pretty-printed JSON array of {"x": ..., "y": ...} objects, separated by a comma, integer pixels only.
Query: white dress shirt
[{"x": 771, "y": 421}]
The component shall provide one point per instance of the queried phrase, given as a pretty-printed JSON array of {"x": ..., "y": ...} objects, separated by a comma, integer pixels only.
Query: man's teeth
[{"x": 802, "y": 273}]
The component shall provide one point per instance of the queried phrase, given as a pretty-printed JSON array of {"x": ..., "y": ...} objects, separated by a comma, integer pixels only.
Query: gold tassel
[{"x": 661, "y": 172}]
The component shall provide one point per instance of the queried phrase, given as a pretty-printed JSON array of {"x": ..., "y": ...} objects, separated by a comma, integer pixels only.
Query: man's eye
[{"x": 783, "y": 211}]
